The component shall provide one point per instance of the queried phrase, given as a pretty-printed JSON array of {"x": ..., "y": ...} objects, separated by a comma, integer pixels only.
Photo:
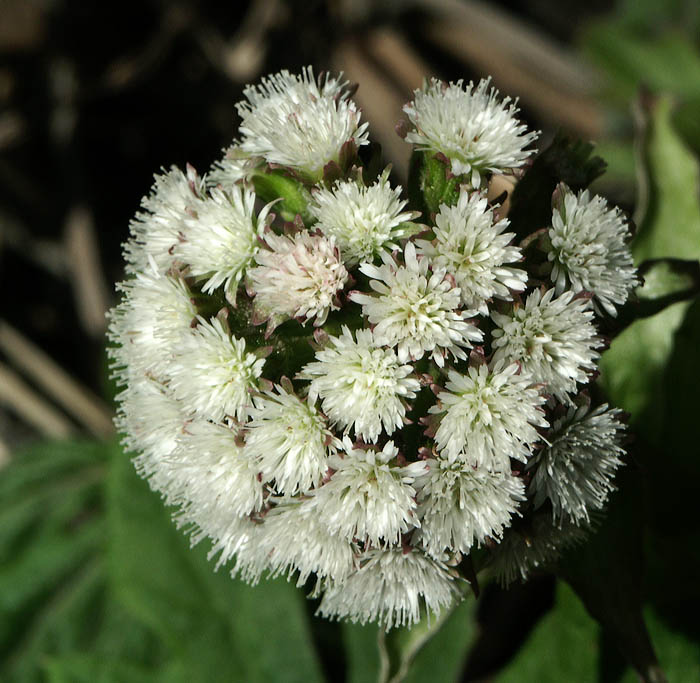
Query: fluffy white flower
[
  {"x": 524, "y": 550},
  {"x": 158, "y": 229},
  {"x": 576, "y": 470},
  {"x": 151, "y": 421},
  {"x": 589, "y": 249},
  {"x": 292, "y": 539},
  {"x": 212, "y": 474},
  {"x": 155, "y": 311},
  {"x": 460, "y": 505},
  {"x": 299, "y": 122},
  {"x": 367, "y": 498},
  {"x": 469, "y": 125},
  {"x": 222, "y": 238},
  {"x": 416, "y": 309},
  {"x": 231, "y": 537},
  {"x": 488, "y": 416},
  {"x": 288, "y": 440},
  {"x": 212, "y": 373},
  {"x": 365, "y": 221},
  {"x": 297, "y": 277},
  {"x": 361, "y": 384},
  {"x": 389, "y": 588},
  {"x": 234, "y": 168},
  {"x": 472, "y": 247},
  {"x": 554, "y": 339}
]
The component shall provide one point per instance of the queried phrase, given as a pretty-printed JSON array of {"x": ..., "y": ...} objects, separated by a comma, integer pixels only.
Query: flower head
[
  {"x": 389, "y": 587},
  {"x": 158, "y": 229},
  {"x": 553, "y": 338},
  {"x": 361, "y": 384},
  {"x": 469, "y": 125},
  {"x": 148, "y": 323},
  {"x": 365, "y": 221},
  {"x": 292, "y": 539},
  {"x": 488, "y": 416},
  {"x": 212, "y": 474},
  {"x": 375, "y": 471},
  {"x": 298, "y": 121},
  {"x": 589, "y": 249},
  {"x": 575, "y": 470},
  {"x": 368, "y": 497},
  {"x": 288, "y": 441},
  {"x": 222, "y": 238},
  {"x": 471, "y": 245},
  {"x": 298, "y": 277},
  {"x": 416, "y": 310},
  {"x": 212, "y": 373},
  {"x": 460, "y": 505},
  {"x": 234, "y": 168}
]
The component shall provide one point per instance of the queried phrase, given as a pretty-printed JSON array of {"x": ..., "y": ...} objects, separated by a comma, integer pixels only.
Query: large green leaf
[
  {"x": 679, "y": 653},
  {"x": 631, "y": 56},
  {"x": 51, "y": 536},
  {"x": 606, "y": 573},
  {"x": 218, "y": 629},
  {"x": 632, "y": 369},
  {"x": 563, "y": 647},
  {"x": 117, "y": 596}
]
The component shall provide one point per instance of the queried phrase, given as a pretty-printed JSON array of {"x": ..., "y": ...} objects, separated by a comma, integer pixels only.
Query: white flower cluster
[{"x": 354, "y": 396}]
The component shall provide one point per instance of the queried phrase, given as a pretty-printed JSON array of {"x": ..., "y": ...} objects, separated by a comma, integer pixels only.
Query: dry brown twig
[
  {"x": 75, "y": 399},
  {"x": 89, "y": 286},
  {"x": 20, "y": 398}
]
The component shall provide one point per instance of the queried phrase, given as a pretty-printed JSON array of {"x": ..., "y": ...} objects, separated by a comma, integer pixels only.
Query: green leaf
[
  {"x": 121, "y": 597},
  {"x": 51, "y": 537},
  {"x": 630, "y": 57},
  {"x": 424, "y": 653},
  {"x": 665, "y": 282},
  {"x": 563, "y": 646},
  {"x": 671, "y": 224},
  {"x": 606, "y": 573},
  {"x": 216, "y": 628},
  {"x": 679, "y": 654},
  {"x": 633, "y": 367},
  {"x": 94, "y": 668}
]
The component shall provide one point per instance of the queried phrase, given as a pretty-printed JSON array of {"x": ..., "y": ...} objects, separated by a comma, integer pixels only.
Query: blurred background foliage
[{"x": 96, "y": 582}]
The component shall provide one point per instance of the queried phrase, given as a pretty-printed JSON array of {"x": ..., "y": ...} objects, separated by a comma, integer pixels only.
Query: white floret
[
  {"x": 470, "y": 126},
  {"x": 365, "y": 221},
  {"x": 297, "y": 277},
  {"x": 589, "y": 249},
  {"x": 416, "y": 309},
  {"x": 368, "y": 498},
  {"x": 361, "y": 385},
  {"x": 471, "y": 245},
  {"x": 390, "y": 588},
  {"x": 222, "y": 238},
  {"x": 299, "y": 121},
  {"x": 460, "y": 505},
  {"x": 553, "y": 338},
  {"x": 288, "y": 440},
  {"x": 575, "y": 471},
  {"x": 212, "y": 374},
  {"x": 488, "y": 416}
]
